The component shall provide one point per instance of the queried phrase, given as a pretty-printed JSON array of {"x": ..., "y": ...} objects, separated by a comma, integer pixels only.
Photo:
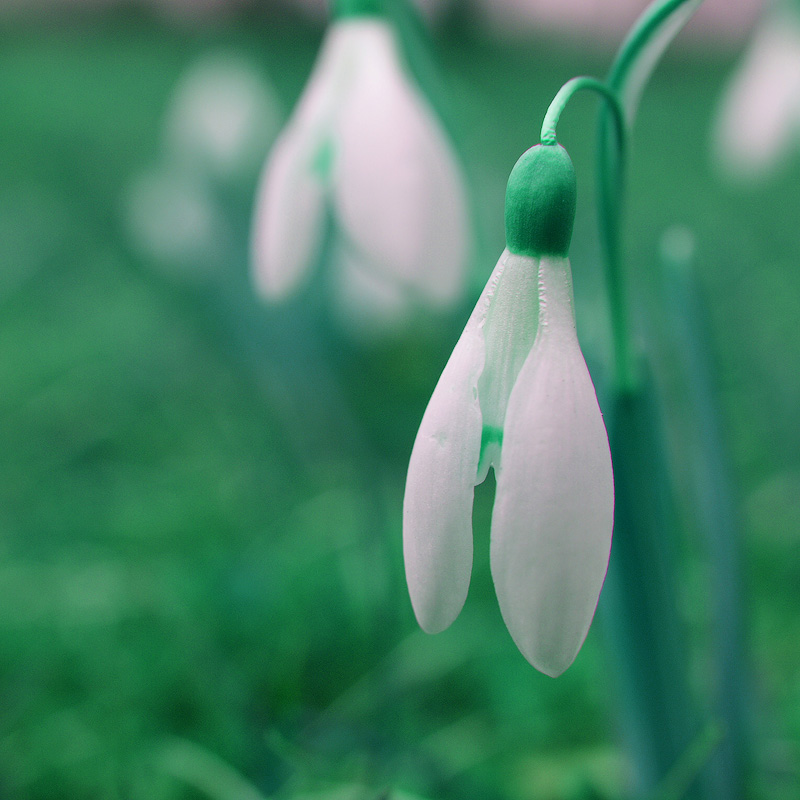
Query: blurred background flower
[
  {"x": 758, "y": 125},
  {"x": 221, "y": 119},
  {"x": 363, "y": 186}
]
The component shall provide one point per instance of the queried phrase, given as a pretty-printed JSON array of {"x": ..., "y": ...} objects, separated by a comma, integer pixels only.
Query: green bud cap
[
  {"x": 347, "y": 9},
  {"x": 540, "y": 202}
]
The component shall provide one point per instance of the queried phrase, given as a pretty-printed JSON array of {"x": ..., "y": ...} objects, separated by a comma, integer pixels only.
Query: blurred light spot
[
  {"x": 173, "y": 219},
  {"x": 772, "y": 509},
  {"x": 223, "y": 116},
  {"x": 678, "y": 246}
]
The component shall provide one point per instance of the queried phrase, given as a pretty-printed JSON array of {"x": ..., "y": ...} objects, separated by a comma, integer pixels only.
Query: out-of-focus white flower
[
  {"x": 758, "y": 124},
  {"x": 719, "y": 20},
  {"x": 363, "y": 153},
  {"x": 222, "y": 116},
  {"x": 218, "y": 125},
  {"x": 516, "y": 395},
  {"x": 173, "y": 219},
  {"x": 432, "y": 10}
]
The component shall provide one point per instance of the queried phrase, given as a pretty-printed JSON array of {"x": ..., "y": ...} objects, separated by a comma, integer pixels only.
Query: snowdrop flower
[
  {"x": 364, "y": 152},
  {"x": 758, "y": 123},
  {"x": 516, "y": 395}
]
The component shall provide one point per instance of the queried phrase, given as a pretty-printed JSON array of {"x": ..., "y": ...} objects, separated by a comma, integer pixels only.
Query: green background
[{"x": 201, "y": 579}]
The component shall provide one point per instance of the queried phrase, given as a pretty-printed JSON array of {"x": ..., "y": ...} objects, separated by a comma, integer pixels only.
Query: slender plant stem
[
  {"x": 611, "y": 169},
  {"x": 565, "y": 93},
  {"x": 640, "y": 35},
  {"x": 611, "y": 179},
  {"x": 610, "y": 189}
]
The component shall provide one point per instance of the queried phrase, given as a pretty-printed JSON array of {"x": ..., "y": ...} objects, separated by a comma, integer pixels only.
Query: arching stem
[
  {"x": 611, "y": 166},
  {"x": 650, "y": 36},
  {"x": 564, "y": 95}
]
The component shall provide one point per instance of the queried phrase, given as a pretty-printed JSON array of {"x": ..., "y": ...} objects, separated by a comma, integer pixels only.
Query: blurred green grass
[{"x": 200, "y": 566}]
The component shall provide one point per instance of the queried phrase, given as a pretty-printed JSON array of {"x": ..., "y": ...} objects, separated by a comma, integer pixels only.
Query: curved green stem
[
  {"x": 610, "y": 166},
  {"x": 637, "y": 57},
  {"x": 643, "y": 33},
  {"x": 565, "y": 93},
  {"x": 610, "y": 190}
]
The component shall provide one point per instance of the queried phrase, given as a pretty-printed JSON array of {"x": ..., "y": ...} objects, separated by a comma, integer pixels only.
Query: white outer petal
[
  {"x": 437, "y": 508},
  {"x": 554, "y": 505},
  {"x": 760, "y": 114},
  {"x": 399, "y": 195},
  {"x": 288, "y": 220}
]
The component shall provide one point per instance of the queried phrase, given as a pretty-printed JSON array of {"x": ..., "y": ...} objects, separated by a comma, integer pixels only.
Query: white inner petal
[
  {"x": 289, "y": 215},
  {"x": 509, "y": 332}
]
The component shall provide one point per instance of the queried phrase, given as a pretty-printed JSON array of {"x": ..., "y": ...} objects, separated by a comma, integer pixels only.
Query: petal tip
[
  {"x": 550, "y": 664},
  {"x": 433, "y": 623},
  {"x": 438, "y": 591},
  {"x": 550, "y": 653}
]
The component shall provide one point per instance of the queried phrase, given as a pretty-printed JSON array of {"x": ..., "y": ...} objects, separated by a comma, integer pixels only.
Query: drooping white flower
[
  {"x": 364, "y": 153},
  {"x": 516, "y": 395},
  {"x": 758, "y": 123}
]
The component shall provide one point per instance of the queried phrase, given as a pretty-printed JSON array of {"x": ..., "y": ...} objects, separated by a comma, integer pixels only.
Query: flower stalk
[
  {"x": 636, "y": 59},
  {"x": 565, "y": 94},
  {"x": 641, "y": 598}
]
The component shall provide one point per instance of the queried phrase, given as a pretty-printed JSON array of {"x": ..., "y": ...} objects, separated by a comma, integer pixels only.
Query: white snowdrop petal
[
  {"x": 437, "y": 508},
  {"x": 288, "y": 222},
  {"x": 554, "y": 505},
  {"x": 289, "y": 216},
  {"x": 509, "y": 332},
  {"x": 398, "y": 192},
  {"x": 760, "y": 113}
]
